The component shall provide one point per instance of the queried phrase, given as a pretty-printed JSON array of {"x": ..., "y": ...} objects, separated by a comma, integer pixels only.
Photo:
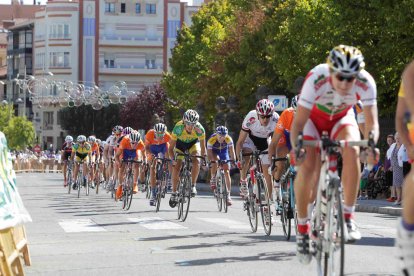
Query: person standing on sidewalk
[
  {"x": 405, "y": 228},
  {"x": 388, "y": 169},
  {"x": 397, "y": 168}
]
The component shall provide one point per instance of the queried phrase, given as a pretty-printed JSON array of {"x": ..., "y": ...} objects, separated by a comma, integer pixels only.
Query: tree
[
  {"x": 84, "y": 120},
  {"x": 138, "y": 112},
  {"x": 6, "y": 113},
  {"x": 20, "y": 133}
]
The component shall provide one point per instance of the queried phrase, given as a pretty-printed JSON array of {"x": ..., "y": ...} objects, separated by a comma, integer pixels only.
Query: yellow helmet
[{"x": 346, "y": 60}]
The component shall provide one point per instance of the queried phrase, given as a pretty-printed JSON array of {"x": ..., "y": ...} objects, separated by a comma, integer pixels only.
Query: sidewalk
[{"x": 379, "y": 206}]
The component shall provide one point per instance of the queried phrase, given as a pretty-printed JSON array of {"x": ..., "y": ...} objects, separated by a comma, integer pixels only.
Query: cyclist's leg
[
  {"x": 75, "y": 171},
  {"x": 227, "y": 179},
  {"x": 64, "y": 169},
  {"x": 281, "y": 151},
  {"x": 347, "y": 129},
  {"x": 195, "y": 170},
  {"x": 213, "y": 169},
  {"x": 248, "y": 147},
  {"x": 174, "y": 179},
  {"x": 267, "y": 176}
]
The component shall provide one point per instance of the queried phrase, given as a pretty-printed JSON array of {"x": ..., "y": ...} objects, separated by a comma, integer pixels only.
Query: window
[
  {"x": 151, "y": 9},
  {"x": 150, "y": 63},
  {"x": 47, "y": 120},
  {"x": 110, "y": 7},
  {"x": 59, "y": 59},
  {"x": 122, "y": 7},
  {"x": 59, "y": 31},
  {"x": 138, "y": 8},
  {"x": 66, "y": 31},
  {"x": 109, "y": 63}
]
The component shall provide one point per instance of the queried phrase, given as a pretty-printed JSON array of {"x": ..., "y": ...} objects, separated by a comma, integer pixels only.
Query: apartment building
[{"x": 97, "y": 42}]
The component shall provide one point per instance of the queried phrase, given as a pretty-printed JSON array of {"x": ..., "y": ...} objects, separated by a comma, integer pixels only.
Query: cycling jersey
[
  {"x": 151, "y": 139},
  {"x": 220, "y": 149},
  {"x": 257, "y": 133},
  {"x": 283, "y": 127},
  {"x": 327, "y": 106},
  {"x": 359, "y": 112},
  {"x": 185, "y": 140},
  {"x": 66, "y": 150},
  {"x": 81, "y": 151},
  {"x": 95, "y": 148},
  {"x": 128, "y": 151}
]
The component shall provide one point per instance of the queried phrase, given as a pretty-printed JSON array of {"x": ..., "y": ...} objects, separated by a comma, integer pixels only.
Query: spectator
[
  {"x": 387, "y": 165},
  {"x": 396, "y": 158},
  {"x": 405, "y": 160}
]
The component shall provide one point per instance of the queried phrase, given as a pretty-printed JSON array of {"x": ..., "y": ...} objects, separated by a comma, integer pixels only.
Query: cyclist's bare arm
[
  {"x": 242, "y": 137},
  {"x": 408, "y": 84},
  {"x": 232, "y": 154},
  {"x": 171, "y": 148},
  {"x": 118, "y": 155},
  {"x": 210, "y": 154},
  {"x": 203, "y": 147},
  {"x": 301, "y": 117},
  {"x": 273, "y": 144},
  {"x": 371, "y": 121}
]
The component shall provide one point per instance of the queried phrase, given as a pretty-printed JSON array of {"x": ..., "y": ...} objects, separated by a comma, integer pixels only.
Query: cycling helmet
[
  {"x": 127, "y": 131},
  {"x": 81, "y": 138},
  {"x": 99, "y": 142},
  {"x": 135, "y": 136},
  {"x": 346, "y": 60},
  {"x": 265, "y": 107},
  {"x": 117, "y": 129},
  {"x": 190, "y": 117},
  {"x": 69, "y": 139},
  {"x": 294, "y": 102},
  {"x": 222, "y": 130},
  {"x": 160, "y": 127},
  {"x": 91, "y": 139}
]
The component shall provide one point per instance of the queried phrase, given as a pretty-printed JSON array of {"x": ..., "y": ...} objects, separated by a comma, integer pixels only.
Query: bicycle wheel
[
  {"x": 180, "y": 197},
  {"x": 129, "y": 194},
  {"x": 147, "y": 184},
  {"x": 218, "y": 193},
  {"x": 333, "y": 252},
  {"x": 251, "y": 206},
  {"x": 159, "y": 195},
  {"x": 186, "y": 198},
  {"x": 79, "y": 182},
  {"x": 264, "y": 204},
  {"x": 223, "y": 192},
  {"x": 87, "y": 186},
  {"x": 69, "y": 180},
  {"x": 285, "y": 216}
]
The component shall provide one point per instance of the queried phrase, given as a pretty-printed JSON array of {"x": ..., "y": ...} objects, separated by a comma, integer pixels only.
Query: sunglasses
[
  {"x": 159, "y": 134},
  {"x": 265, "y": 117},
  {"x": 344, "y": 78}
]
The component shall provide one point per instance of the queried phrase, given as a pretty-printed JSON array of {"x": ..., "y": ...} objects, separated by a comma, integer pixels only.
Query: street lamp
[{"x": 23, "y": 84}]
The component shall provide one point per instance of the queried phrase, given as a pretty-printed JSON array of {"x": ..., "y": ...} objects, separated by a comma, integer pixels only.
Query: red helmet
[{"x": 265, "y": 107}]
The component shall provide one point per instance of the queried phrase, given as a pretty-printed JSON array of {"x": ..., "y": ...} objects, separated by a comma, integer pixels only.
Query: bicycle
[
  {"x": 147, "y": 181},
  {"x": 162, "y": 175},
  {"x": 258, "y": 198},
  {"x": 328, "y": 223},
  {"x": 80, "y": 181},
  {"x": 185, "y": 187},
  {"x": 221, "y": 192},
  {"x": 69, "y": 175},
  {"x": 285, "y": 202},
  {"x": 128, "y": 184}
]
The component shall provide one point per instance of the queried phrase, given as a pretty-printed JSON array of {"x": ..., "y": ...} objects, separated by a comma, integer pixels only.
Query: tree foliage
[
  {"x": 84, "y": 120},
  {"x": 20, "y": 133},
  {"x": 138, "y": 112},
  {"x": 235, "y": 46}
]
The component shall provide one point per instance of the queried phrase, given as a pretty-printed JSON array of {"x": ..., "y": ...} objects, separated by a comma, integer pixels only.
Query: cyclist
[
  {"x": 187, "y": 135},
  {"x": 94, "y": 158},
  {"x": 156, "y": 144},
  {"x": 131, "y": 148},
  {"x": 109, "y": 153},
  {"x": 258, "y": 126},
  {"x": 220, "y": 146},
  {"x": 405, "y": 228},
  {"x": 325, "y": 104},
  {"x": 81, "y": 152},
  {"x": 66, "y": 153},
  {"x": 280, "y": 144}
]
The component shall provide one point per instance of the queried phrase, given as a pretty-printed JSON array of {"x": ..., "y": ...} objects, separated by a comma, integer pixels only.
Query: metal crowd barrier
[{"x": 49, "y": 165}]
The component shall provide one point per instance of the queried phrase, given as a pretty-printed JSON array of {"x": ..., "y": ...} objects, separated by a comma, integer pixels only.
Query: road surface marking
[
  {"x": 80, "y": 225},
  {"x": 232, "y": 224},
  {"x": 156, "y": 223}
]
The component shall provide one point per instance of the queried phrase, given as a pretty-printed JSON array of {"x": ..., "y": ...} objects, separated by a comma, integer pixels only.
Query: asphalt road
[{"x": 94, "y": 236}]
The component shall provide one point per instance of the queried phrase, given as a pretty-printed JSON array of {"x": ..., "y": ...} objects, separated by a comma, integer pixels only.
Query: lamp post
[{"x": 23, "y": 84}]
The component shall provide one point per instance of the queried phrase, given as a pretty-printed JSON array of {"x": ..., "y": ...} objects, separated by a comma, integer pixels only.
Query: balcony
[
  {"x": 139, "y": 69},
  {"x": 130, "y": 40}
]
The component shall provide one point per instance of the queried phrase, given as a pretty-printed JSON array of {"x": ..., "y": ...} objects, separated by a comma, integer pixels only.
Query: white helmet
[
  {"x": 81, "y": 138},
  {"x": 265, "y": 107},
  {"x": 91, "y": 139},
  {"x": 346, "y": 60},
  {"x": 69, "y": 139},
  {"x": 135, "y": 136},
  {"x": 160, "y": 127},
  {"x": 191, "y": 117}
]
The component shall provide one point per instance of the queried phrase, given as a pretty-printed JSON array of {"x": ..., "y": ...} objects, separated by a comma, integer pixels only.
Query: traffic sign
[
  {"x": 280, "y": 102},
  {"x": 36, "y": 148}
]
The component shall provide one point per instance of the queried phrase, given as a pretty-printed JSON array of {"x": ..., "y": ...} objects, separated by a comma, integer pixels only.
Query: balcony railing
[{"x": 131, "y": 40}]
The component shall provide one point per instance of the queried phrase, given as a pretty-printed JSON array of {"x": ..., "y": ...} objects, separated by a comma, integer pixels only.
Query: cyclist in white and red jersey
[
  {"x": 257, "y": 128},
  {"x": 109, "y": 153},
  {"x": 325, "y": 104},
  {"x": 66, "y": 153}
]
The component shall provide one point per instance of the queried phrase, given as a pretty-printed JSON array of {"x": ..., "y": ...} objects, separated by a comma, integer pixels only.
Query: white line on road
[
  {"x": 232, "y": 224},
  {"x": 156, "y": 223},
  {"x": 80, "y": 225}
]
